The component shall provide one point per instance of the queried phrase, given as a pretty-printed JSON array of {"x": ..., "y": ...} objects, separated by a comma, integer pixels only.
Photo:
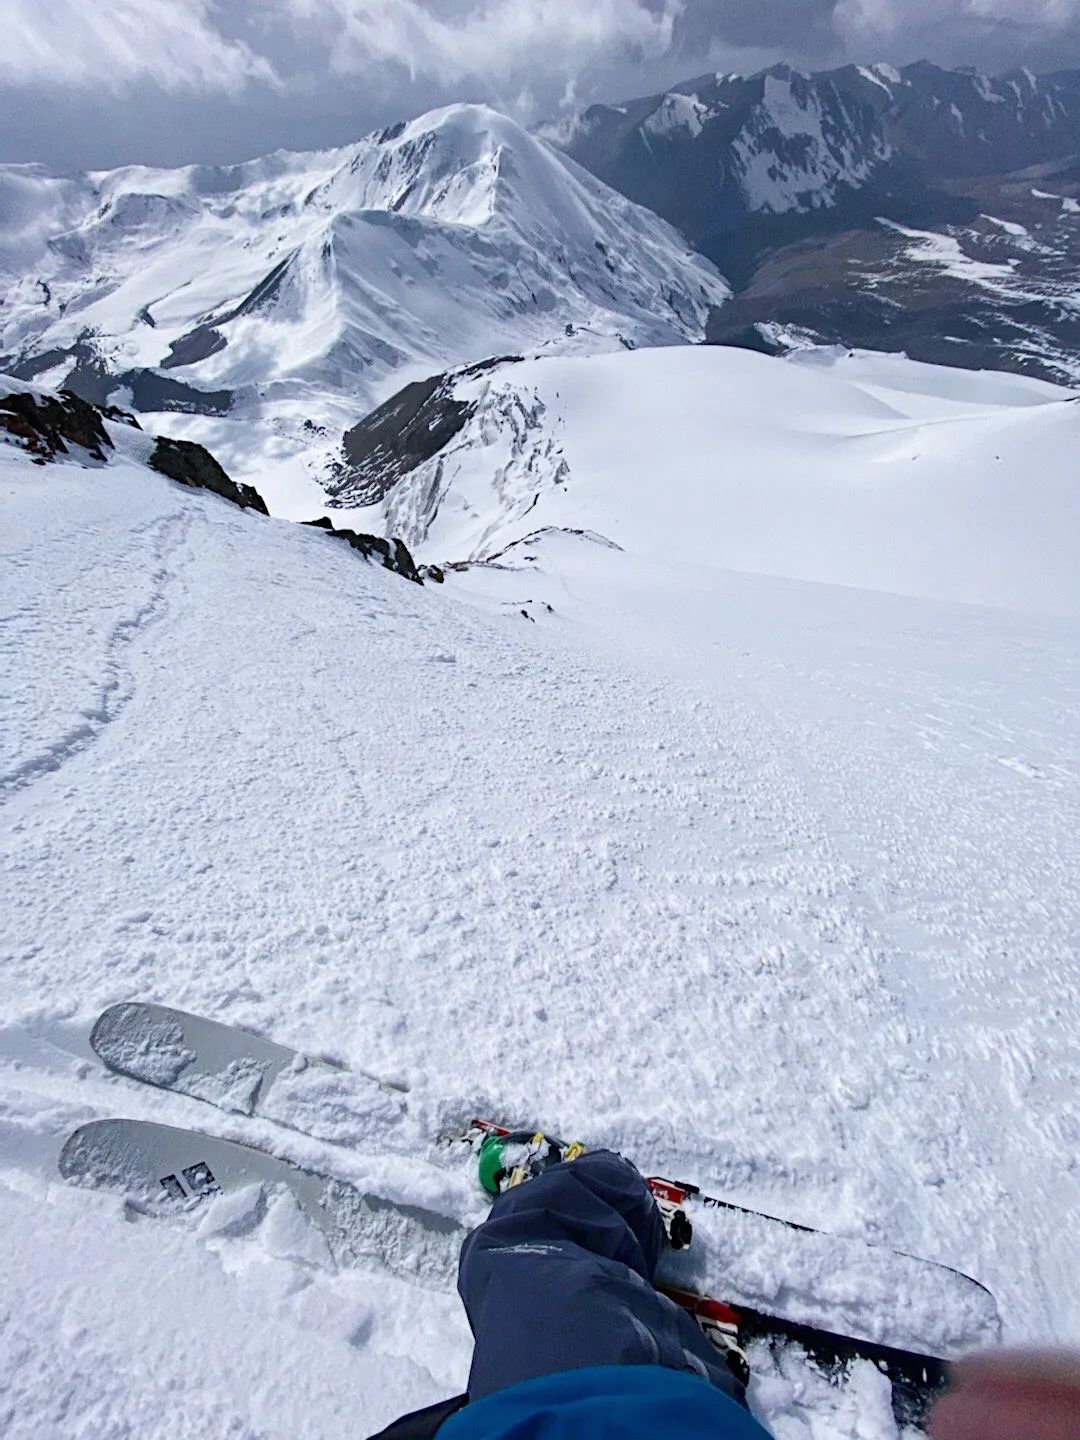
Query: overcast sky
[{"x": 98, "y": 83}]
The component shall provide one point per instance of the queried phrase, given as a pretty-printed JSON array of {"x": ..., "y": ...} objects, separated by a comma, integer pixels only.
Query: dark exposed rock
[
  {"x": 91, "y": 379},
  {"x": 151, "y": 391},
  {"x": 31, "y": 366},
  {"x": 260, "y": 295},
  {"x": 395, "y": 439},
  {"x": 207, "y": 339},
  {"x": 191, "y": 464},
  {"x": 47, "y": 424},
  {"x": 196, "y": 345},
  {"x": 404, "y": 432},
  {"x": 435, "y": 573},
  {"x": 121, "y": 417},
  {"x": 391, "y": 554},
  {"x": 742, "y": 337}
]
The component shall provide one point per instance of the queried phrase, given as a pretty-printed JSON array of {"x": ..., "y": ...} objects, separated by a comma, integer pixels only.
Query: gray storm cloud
[{"x": 166, "y": 81}]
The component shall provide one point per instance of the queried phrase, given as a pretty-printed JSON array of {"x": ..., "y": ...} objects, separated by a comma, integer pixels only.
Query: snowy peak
[
  {"x": 725, "y": 147},
  {"x": 295, "y": 290},
  {"x": 445, "y": 166}
]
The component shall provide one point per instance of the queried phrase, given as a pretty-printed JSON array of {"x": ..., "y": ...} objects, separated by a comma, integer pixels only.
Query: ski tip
[{"x": 113, "y": 1019}]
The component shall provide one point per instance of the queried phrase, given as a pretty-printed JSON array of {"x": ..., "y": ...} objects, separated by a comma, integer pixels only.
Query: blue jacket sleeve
[{"x": 609, "y": 1402}]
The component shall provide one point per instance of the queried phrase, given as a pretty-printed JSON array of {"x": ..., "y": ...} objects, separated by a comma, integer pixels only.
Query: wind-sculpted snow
[{"x": 770, "y": 884}]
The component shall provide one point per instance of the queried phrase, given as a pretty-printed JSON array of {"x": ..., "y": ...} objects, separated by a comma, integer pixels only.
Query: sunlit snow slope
[
  {"x": 769, "y": 882},
  {"x": 865, "y": 470},
  {"x": 276, "y": 300}
]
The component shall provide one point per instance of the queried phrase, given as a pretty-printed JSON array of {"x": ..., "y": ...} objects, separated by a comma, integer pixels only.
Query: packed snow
[{"x": 771, "y": 883}]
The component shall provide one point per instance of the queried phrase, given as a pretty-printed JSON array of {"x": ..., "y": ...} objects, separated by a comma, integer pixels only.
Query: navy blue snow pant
[{"x": 559, "y": 1277}]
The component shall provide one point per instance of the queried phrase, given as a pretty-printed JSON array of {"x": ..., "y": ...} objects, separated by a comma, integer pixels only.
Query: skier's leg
[{"x": 559, "y": 1278}]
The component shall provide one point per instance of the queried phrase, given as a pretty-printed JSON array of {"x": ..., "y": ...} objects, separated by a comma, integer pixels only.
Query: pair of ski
[{"x": 165, "y": 1169}]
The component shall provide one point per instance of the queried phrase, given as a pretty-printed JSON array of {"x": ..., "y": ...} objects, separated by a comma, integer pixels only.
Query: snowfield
[
  {"x": 844, "y": 472},
  {"x": 771, "y": 880}
]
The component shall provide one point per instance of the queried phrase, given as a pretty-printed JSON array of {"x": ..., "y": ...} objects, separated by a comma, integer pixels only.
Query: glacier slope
[{"x": 854, "y": 472}]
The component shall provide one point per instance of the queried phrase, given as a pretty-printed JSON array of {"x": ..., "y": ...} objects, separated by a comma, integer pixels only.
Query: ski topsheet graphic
[{"x": 166, "y": 1170}]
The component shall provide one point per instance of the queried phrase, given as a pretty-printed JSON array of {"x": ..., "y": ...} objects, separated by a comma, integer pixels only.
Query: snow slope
[
  {"x": 769, "y": 882},
  {"x": 279, "y": 298},
  {"x": 835, "y": 470}
]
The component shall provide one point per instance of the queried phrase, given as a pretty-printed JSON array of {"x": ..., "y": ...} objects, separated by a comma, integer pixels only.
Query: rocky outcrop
[
  {"x": 90, "y": 377},
  {"x": 754, "y": 337},
  {"x": 46, "y": 425},
  {"x": 401, "y": 435},
  {"x": 191, "y": 464},
  {"x": 391, "y": 554}
]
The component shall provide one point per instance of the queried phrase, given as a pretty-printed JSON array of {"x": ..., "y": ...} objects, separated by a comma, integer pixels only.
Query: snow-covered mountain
[
  {"x": 291, "y": 293},
  {"x": 720, "y": 149},
  {"x": 795, "y": 185},
  {"x": 717, "y": 801}
]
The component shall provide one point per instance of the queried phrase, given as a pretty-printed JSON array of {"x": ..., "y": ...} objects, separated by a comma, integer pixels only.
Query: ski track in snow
[
  {"x": 108, "y": 686},
  {"x": 771, "y": 885}
]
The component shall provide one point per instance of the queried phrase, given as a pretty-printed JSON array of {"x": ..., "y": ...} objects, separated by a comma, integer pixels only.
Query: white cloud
[
  {"x": 174, "y": 44},
  {"x": 499, "y": 40},
  {"x": 863, "y": 21}
]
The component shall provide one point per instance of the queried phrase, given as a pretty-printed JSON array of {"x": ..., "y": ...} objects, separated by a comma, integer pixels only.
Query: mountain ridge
[{"x": 784, "y": 178}]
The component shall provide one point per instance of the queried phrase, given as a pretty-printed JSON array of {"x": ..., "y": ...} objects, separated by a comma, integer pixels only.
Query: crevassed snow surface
[{"x": 769, "y": 882}]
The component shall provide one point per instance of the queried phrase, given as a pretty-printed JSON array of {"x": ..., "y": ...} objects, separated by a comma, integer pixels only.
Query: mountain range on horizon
[{"x": 923, "y": 210}]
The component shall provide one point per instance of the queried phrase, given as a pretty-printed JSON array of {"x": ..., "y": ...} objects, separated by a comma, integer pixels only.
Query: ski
[
  {"x": 163, "y": 1170},
  {"x": 240, "y": 1072},
  {"x": 842, "y": 1300}
]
